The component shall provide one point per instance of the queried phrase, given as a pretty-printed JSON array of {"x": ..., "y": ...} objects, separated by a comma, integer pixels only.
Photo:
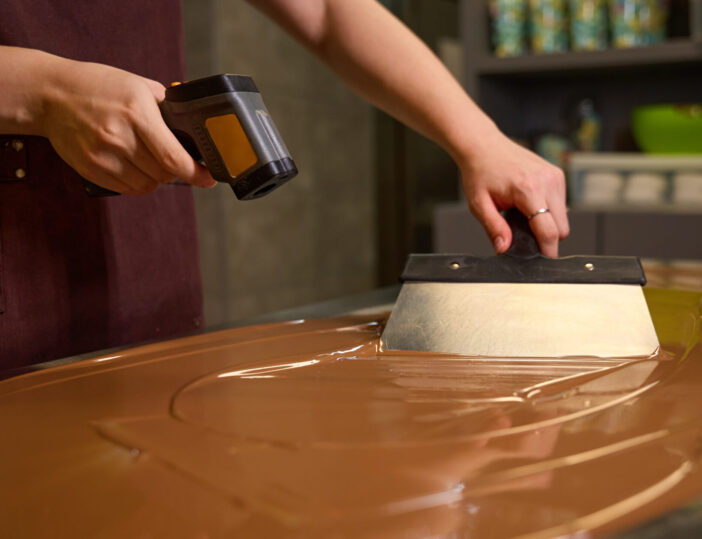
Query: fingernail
[{"x": 499, "y": 244}]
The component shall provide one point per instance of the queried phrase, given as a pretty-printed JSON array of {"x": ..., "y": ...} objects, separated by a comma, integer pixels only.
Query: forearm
[
  {"x": 25, "y": 76},
  {"x": 386, "y": 63},
  {"x": 102, "y": 121}
]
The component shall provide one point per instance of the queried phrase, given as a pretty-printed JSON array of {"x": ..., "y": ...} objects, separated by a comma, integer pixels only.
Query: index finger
[
  {"x": 559, "y": 212},
  {"x": 168, "y": 151}
]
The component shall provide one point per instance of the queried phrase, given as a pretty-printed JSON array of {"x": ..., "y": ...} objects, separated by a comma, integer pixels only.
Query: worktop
[{"x": 306, "y": 428}]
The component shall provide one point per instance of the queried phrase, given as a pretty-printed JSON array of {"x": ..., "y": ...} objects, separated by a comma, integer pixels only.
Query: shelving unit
[{"x": 533, "y": 94}]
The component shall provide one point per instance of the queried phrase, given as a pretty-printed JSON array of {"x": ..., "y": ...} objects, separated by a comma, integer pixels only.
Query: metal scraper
[{"x": 522, "y": 304}]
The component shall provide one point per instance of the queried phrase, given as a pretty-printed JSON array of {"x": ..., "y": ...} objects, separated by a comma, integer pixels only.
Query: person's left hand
[{"x": 500, "y": 174}]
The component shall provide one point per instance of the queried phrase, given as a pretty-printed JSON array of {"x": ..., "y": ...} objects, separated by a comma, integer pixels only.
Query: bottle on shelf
[{"x": 587, "y": 127}]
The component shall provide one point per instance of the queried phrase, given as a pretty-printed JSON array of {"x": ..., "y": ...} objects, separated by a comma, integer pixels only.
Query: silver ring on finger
[{"x": 538, "y": 212}]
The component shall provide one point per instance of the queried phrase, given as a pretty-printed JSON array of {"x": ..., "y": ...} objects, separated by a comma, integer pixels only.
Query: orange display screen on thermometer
[{"x": 232, "y": 143}]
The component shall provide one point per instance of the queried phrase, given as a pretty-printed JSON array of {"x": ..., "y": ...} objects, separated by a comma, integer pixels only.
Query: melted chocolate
[{"x": 305, "y": 429}]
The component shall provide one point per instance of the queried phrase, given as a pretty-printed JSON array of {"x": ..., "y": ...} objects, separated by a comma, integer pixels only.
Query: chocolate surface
[{"x": 305, "y": 429}]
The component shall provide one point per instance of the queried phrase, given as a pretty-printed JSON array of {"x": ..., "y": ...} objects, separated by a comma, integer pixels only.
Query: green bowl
[{"x": 668, "y": 128}]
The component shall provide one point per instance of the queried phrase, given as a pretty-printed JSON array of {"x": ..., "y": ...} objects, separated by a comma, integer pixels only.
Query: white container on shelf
[
  {"x": 687, "y": 188},
  {"x": 602, "y": 187},
  {"x": 645, "y": 188},
  {"x": 634, "y": 179}
]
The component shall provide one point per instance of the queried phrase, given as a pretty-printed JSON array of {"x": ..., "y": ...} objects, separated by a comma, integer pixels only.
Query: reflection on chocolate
[{"x": 304, "y": 430}]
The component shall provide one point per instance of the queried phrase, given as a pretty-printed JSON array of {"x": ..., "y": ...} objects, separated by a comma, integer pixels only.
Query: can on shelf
[
  {"x": 636, "y": 23},
  {"x": 509, "y": 19},
  {"x": 588, "y": 25},
  {"x": 549, "y": 26}
]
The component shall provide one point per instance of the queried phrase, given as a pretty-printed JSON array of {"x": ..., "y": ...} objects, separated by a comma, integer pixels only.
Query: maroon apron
[{"x": 79, "y": 274}]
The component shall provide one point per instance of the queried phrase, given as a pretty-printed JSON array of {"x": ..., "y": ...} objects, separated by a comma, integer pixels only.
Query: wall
[
  {"x": 314, "y": 238},
  {"x": 414, "y": 173}
]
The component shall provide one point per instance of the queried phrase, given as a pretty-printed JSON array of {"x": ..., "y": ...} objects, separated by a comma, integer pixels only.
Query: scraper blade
[
  {"x": 522, "y": 304},
  {"x": 522, "y": 320}
]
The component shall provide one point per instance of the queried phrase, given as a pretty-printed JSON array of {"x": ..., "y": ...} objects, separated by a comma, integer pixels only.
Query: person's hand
[
  {"x": 106, "y": 124},
  {"x": 500, "y": 175}
]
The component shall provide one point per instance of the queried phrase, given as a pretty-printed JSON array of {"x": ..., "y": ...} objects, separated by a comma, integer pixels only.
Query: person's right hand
[
  {"x": 498, "y": 174},
  {"x": 106, "y": 124}
]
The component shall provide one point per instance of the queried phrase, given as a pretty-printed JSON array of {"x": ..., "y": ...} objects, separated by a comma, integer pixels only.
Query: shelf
[
  {"x": 577, "y": 161},
  {"x": 667, "y": 208},
  {"x": 677, "y": 51}
]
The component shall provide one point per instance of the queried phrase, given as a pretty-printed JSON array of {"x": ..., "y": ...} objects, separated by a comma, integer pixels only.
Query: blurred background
[{"x": 610, "y": 90}]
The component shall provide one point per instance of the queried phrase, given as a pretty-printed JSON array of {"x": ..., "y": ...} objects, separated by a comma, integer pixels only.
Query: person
[{"x": 79, "y": 98}]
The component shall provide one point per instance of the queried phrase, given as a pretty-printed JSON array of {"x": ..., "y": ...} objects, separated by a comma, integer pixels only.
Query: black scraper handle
[
  {"x": 524, "y": 244},
  {"x": 94, "y": 190}
]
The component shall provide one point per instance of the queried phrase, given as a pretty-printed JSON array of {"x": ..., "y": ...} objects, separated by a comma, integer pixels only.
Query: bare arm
[
  {"x": 383, "y": 61},
  {"x": 102, "y": 121}
]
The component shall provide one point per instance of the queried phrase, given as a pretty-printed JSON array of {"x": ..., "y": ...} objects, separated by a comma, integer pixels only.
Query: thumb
[{"x": 485, "y": 211}]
